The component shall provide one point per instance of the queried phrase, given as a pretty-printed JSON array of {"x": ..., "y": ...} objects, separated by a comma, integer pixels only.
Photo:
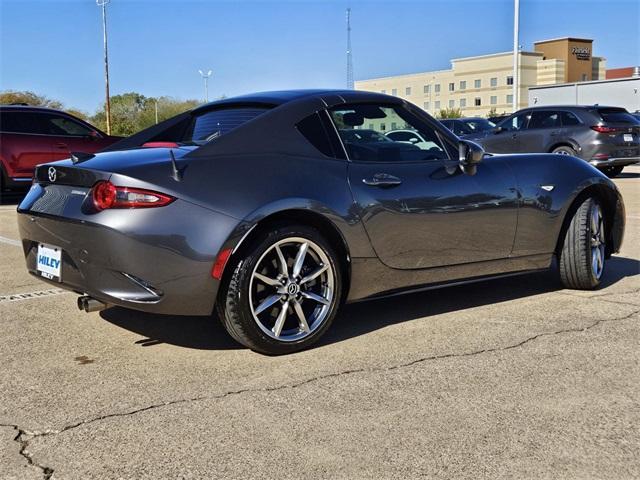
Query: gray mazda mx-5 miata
[{"x": 275, "y": 208}]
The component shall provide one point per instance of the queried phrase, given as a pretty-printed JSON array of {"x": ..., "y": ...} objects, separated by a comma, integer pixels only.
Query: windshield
[{"x": 617, "y": 115}]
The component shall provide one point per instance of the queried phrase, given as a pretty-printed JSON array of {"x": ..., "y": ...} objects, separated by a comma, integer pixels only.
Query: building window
[
  {"x": 494, "y": 82},
  {"x": 463, "y": 85},
  {"x": 437, "y": 89},
  {"x": 371, "y": 126},
  {"x": 493, "y": 100},
  {"x": 383, "y": 126},
  {"x": 383, "y": 91},
  {"x": 463, "y": 102},
  {"x": 452, "y": 103},
  {"x": 394, "y": 91},
  {"x": 452, "y": 87},
  {"x": 438, "y": 105},
  {"x": 509, "y": 99},
  {"x": 584, "y": 77},
  {"x": 477, "y": 102},
  {"x": 407, "y": 91},
  {"x": 509, "y": 80},
  {"x": 393, "y": 125},
  {"x": 426, "y": 105},
  {"x": 426, "y": 88},
  {"x": 477, "y": 83}
]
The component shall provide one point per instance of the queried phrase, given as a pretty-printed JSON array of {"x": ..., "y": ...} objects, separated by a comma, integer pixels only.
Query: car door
[
  {"x": 68, "y": 135},
  {"x": 543, "y": 131},
  {"x": 506, "y": 137},
  {"x": 418, "y": 208},
  {"x": 25, "y": 142}
]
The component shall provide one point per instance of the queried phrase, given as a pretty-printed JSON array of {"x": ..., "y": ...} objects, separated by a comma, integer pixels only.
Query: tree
[
  {"x": 449, "y": 113},
  {"x": 132, "y": 112},
  {"x": 9, "y": 97}
]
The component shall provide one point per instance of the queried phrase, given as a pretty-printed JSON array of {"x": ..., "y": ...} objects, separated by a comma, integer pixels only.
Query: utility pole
[
  {"x": 205, "y": 78},
  {"x": 349, "y": 59},
  {"x": 516, "y": 25},
  {"x": 156, "y": 102},
  {"x": 103, "y": 4}
]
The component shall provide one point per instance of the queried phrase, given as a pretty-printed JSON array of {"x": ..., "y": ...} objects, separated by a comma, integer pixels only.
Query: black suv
[{"x": 606, "y": 137}]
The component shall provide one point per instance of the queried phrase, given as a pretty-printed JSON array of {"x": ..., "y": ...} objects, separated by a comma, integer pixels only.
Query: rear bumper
[
  {"x": 614, "y": 162},
  {"x": 157, "y": 261}
]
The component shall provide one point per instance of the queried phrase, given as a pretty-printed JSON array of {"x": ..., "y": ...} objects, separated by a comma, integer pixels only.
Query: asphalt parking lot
[{"x": 515, "y": 378}]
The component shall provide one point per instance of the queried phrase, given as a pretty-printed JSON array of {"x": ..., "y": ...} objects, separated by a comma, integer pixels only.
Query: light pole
[
  {"x": 205, "y": 78},
  {"x": 103, "y": 4},
  {"x": 516, "y": 25}
]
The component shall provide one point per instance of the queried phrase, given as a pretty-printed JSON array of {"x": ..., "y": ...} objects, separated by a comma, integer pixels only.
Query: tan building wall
[
  {"x": 574, "y": 52},
  {"x": 477, "y": 85},
  {"x": 457, "y": 87}
]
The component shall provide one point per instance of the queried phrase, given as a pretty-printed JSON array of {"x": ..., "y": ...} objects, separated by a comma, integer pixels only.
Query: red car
[{"x": 33, "y": 135}]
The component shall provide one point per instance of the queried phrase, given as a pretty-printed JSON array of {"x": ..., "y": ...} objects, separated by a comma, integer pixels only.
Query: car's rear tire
[
  {"x": 582, "y": 256},
  {"x": 293, "y": 268},
  {"x": 564, "y": 150},
  {"x": 612, "y": 171}
]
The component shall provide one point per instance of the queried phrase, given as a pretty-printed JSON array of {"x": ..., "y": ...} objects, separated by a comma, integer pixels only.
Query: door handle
[
  {"x": 555, "y": 133},
  {"x": 382, "y": 180},
  {"x": 514, "y": 135},
  {"x": 61, "y": 145}
]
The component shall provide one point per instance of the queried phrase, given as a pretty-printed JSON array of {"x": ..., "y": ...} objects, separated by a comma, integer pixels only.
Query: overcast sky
[{"x": 156, "y": 47}]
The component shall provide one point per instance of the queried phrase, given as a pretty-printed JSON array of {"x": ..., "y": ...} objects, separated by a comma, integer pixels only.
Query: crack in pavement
[
  {"x": 21, "y": 438},
  {"x": 24, "y": 436}
]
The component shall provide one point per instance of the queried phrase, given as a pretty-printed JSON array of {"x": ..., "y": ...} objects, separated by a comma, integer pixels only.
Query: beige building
[{"x": 478, "y": 85}]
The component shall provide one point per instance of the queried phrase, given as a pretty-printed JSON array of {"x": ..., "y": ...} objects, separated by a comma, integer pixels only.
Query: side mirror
[
  {"x": 470, "y": 155},
  {"x": 93, "y": 135}
]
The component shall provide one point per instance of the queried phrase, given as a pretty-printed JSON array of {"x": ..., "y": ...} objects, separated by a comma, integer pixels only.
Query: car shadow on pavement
[
  {"x": 362, "y": 317},
  {"x": 625, "y": 174}
]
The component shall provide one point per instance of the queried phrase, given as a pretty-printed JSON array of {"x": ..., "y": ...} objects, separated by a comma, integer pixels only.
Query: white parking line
[
  {"x": 18, "y": 297},
  {"x": 10, "y": 241}
]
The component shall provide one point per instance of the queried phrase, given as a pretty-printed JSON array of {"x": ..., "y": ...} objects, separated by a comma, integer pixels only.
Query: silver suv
[{"x": 606, "y": 137}]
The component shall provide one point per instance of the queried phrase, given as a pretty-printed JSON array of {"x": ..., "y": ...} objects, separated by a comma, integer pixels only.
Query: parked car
[
  {"x": 412, "y": 137},
  {"x": 606, "y": 137},
  {"x": 497, "y": 118},
  {"x": 636, "y": 114},
  {"x": 32, "y": 135},
  {"x": 264, "y": 208},
  {"x": 468, "y": 126}
]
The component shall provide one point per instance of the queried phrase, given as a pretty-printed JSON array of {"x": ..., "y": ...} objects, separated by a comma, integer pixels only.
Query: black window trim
[{"x": 54, "y": 112}]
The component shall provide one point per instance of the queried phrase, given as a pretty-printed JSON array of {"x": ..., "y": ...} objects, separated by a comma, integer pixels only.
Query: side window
[
  {"x": 60, "y": 125},
  {"x": 569, "y": 119},
  {"x": 22, "y": 122},
  {"x": 313, "y": 130},
  {"x": 515, "y": 123},
  {"x": 544, "y": 119},
  {"x": 417, "y": 142}
]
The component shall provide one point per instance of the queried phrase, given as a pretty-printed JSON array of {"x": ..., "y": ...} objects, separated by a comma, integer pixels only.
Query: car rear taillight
[
  {"x": 106, "y": 195},
  {"x": 603, "y": 129}
]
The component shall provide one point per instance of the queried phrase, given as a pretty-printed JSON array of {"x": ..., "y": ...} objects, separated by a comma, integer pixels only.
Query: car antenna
[{"x": 176, "y": 174}]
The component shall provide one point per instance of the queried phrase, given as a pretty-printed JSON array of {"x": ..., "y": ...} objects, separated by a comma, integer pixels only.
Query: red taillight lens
[
  {"x": 602, "y": 129},
  {"x": 104, "y": 195},
  {"x": 107, "y": 195}
]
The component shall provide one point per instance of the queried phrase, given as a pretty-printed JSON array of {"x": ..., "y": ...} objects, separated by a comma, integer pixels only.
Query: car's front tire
[
  {"x": 284, "y": 293},
  {"x": 582, "y": 256}
]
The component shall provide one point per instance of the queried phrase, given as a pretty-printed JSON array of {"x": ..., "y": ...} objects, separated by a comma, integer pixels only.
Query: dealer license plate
[
  {"x": 49, "y": 262},
  {"x": 628, "y": 137}
]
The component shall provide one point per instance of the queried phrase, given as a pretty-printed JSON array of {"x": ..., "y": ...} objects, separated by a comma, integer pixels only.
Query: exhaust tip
[{"x": 89, "y": 304}]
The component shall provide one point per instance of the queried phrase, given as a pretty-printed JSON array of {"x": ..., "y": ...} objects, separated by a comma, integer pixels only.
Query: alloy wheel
[
  {"x": 596, "y": 230},
  {"x": 291, "y": 290}
]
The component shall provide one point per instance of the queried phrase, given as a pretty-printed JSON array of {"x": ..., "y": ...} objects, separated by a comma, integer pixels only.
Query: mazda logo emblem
[
  {"x": 293, "y": 289},
  {"x": 52, "y": 174}
]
